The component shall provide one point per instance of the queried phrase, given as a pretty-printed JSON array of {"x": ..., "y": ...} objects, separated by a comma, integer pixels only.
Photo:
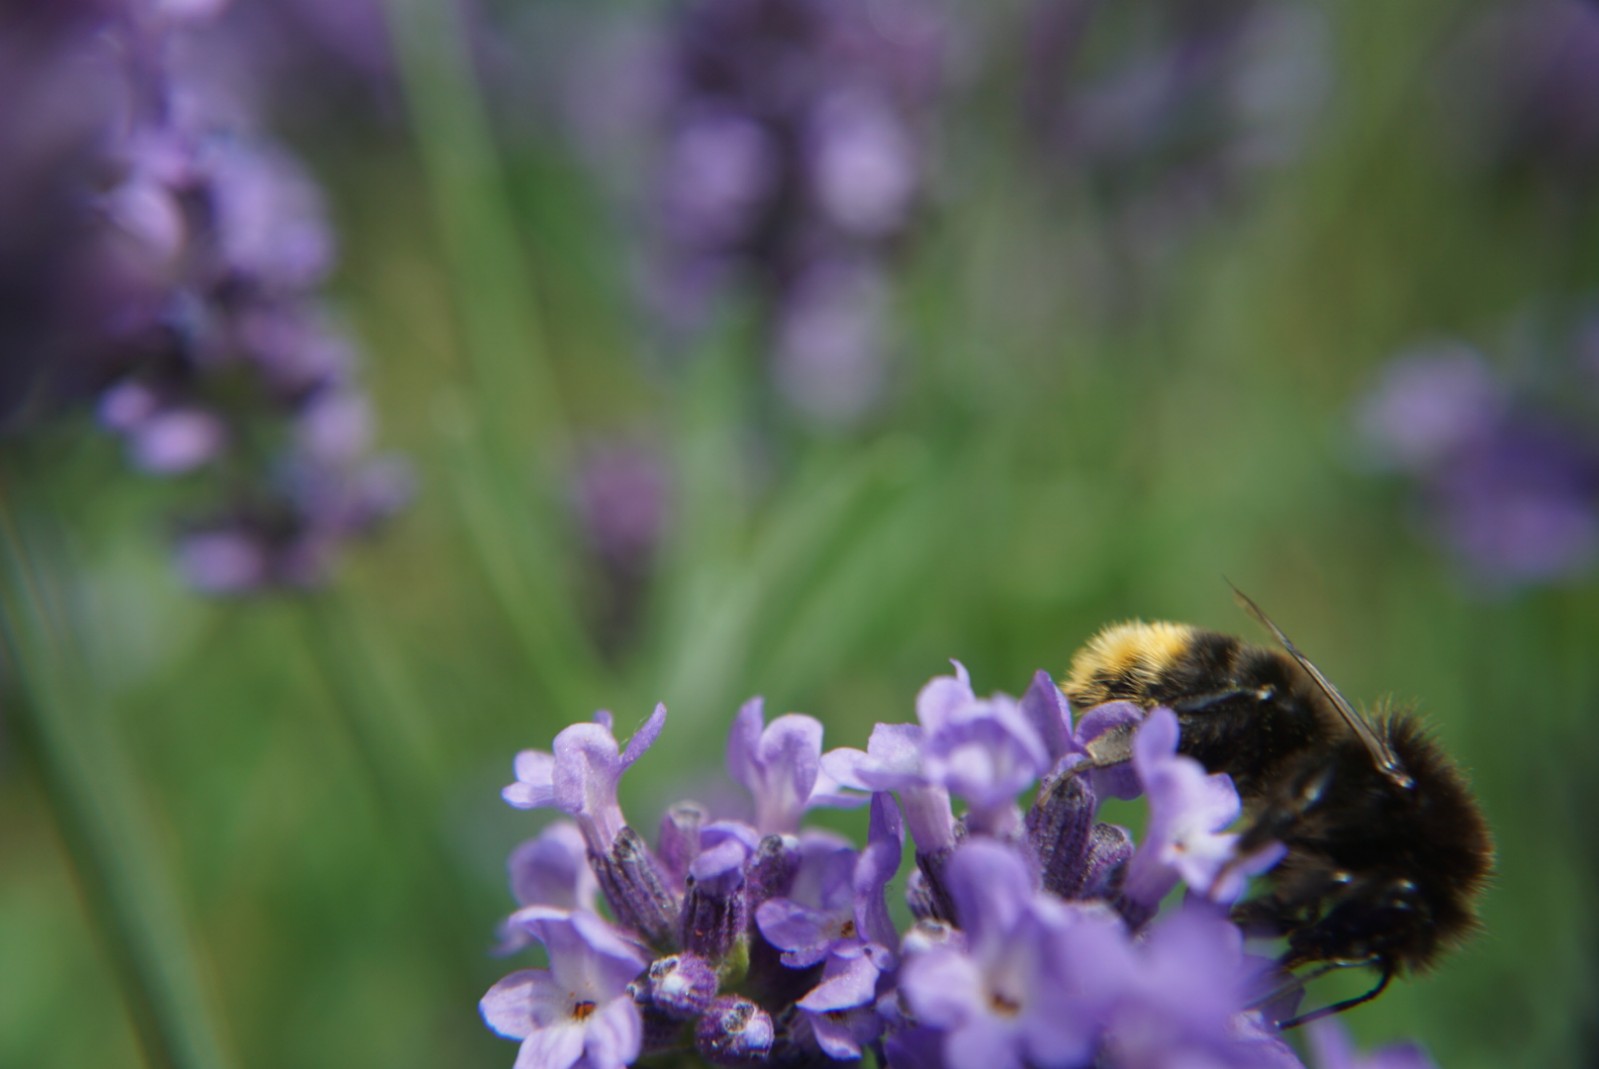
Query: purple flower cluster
[
  {"x": 1509, "y": 485},
  {"x": 620, "y": 494},
  {"x": 1162, "y": 113},
  {"x": 1036, "y": 935},
  {"x": 163, "y": 258},
  {"x": 794, "y": 157},
  {"x": 1522, "y": 91}
]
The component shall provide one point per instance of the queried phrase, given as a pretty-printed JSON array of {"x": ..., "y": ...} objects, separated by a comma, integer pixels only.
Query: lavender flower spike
[
  {"x": 578, "y": 1012},
  {"x": 781, "y": 765},
  {"x": 1187, "y": 810}
]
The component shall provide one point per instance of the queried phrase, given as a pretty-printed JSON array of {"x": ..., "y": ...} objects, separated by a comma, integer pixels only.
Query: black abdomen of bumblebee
[{"x": 1244, "y": 709}]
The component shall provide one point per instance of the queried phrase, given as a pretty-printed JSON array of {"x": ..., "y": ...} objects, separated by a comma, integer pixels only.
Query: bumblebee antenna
[{"x": 1381, "y": 755}]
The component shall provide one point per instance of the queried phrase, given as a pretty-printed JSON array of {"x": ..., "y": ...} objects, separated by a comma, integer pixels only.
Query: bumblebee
[{"x": 1387, "y": 849}]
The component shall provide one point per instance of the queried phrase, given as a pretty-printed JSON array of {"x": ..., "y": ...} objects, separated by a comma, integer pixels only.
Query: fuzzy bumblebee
[{"x": 1387, "y": 849}]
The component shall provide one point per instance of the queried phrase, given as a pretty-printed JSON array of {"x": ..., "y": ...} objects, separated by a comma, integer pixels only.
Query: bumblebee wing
[{"x": 1381, "y": 755}]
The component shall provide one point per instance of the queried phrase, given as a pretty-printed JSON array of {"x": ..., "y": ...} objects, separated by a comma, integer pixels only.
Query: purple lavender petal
[
  {"x": 1188, "y": 809},
  {"x": 614, "y": 1034},
  {"x": 942, "y": 697},
  {"x": 587, "y": 768},
  {"x": 892, "y": 760},
  {"x": 1331, "y": 1048},
  {"x": 581, "y": 1007},
  {"x": 986, "y": 753},
  {"x": 507, "y": 1008},
  {"x": 645, "y": 736},
  {"x": 876, "y": 866},
  {"x": 589, "y": 957},
  {"x": 1012, "y": 995},
  {"x": 779, "y": 764},
  {"x": 1118, "y": 780},
  {"x": 553, "y": 870},
  {"x": 1046, "y": 709},
  {"x": 535, "y": 781},
  {"x": 679, "y": 839}
]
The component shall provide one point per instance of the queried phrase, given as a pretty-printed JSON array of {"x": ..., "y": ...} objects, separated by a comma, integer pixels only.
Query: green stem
[
  {"x": 376, "y": 709},
  {"x": 494, "y": 289},
  {"x": 516, "y": 406},
  {"x": 102, "y": 815}
]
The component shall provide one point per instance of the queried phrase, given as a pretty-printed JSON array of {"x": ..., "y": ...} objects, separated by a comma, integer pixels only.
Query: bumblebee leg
[{"x": 1346, "y": 1004}]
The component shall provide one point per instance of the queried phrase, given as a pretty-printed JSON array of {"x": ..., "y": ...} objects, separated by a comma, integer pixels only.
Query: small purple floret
[{"x": 578, "y": 1011}]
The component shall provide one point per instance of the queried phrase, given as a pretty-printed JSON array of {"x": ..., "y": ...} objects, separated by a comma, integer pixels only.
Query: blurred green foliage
[{"x": 322, "y": 774}]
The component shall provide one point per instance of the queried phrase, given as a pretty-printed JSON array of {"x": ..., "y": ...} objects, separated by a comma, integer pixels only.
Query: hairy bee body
[{"x": 1387, "y": 849}]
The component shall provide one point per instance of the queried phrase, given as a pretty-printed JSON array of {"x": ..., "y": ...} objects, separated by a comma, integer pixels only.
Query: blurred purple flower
[
  {"x": 1521, "y": 90},
  {"x": 1167, "y": 113},
  {"x": 794, "y": 155},
  {"x": 1507, "y": 483},
  {"x": 1523, "y": 506},
  {"x": 1429, "y": 403},
  {"x": 621, "y": 495},
  {"x": 1331, "y": 1049},
  {"x": 171, "y": 268},
  {"x": 1179, "y": 997}
]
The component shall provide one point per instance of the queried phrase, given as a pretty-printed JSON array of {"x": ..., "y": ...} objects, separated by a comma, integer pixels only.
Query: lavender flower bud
[
  {"x": 772, "y": 869},
  {"x": 714, "y": 915},
  {"x": 1109, "y": 848},
  {"x": 636, "y": 890},
  {"x": 679, "y": 986},
  {"x": 680, "y": 838},
  {"x": 930, "y": 866},
  {"x": 1059, "y": 826},
  {"x": 735, "y": 1032},
  {"x": 919, "y": 897}
]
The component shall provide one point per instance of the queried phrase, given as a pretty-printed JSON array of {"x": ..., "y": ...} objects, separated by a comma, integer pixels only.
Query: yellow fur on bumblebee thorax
[{"x": 1142, "y": 651}]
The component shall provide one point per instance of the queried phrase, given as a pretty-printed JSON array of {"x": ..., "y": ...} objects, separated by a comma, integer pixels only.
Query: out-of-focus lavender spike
[
  {"x": 1505, "y": 477},
  {"x": 793, "y": 157},
  {"x": 1521, "y": 92},
  {"x": 171, "y": 280},
  {"x": 1168, "y": 112}
]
